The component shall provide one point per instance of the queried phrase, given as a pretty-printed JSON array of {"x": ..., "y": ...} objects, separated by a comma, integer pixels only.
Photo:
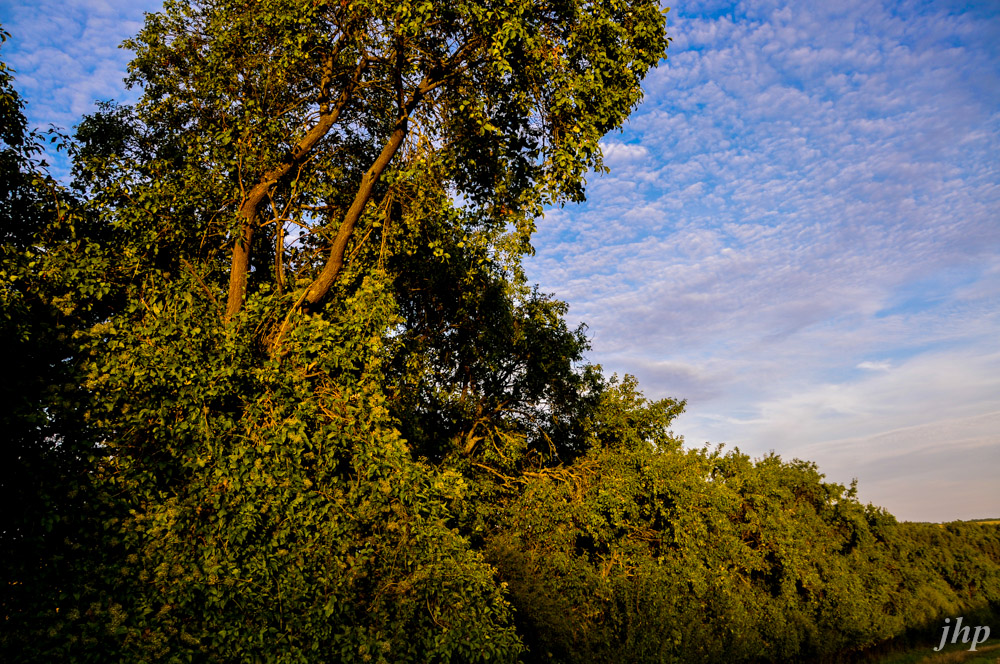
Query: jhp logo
[{"x": 964, "y": 632}]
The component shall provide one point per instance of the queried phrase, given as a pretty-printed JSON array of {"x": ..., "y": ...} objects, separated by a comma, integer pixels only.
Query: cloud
[
  {"x": 930, "y": 420},
  {"x": 66, "y": 55},
  {"x": 619, "y": 154},
  {"x": 939, "y": 471},
  {"x": 884, "y": 365},
  {"x": 800, "y": 216}
]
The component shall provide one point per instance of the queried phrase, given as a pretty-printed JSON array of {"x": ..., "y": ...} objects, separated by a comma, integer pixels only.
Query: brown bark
[
  {"x": 258, "y": 194},
  {"x": 321, "y": 286}
]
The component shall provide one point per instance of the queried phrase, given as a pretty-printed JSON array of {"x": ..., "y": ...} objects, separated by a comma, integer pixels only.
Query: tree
[
  {"x": 238, "y": 398},
  {"x": 303, "y": 112}
]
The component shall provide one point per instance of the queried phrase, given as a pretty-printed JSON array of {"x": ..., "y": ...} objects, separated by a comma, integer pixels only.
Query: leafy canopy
[{"x": 303, "y": 112}]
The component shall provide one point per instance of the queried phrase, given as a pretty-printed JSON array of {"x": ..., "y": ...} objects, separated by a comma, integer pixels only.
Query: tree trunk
[
  {"x": 321, "y": 286},
  {"x": 255, "y": 199}
]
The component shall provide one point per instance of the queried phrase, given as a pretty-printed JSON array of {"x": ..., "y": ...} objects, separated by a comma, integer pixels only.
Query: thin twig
[{"x": 204, "y": 286}]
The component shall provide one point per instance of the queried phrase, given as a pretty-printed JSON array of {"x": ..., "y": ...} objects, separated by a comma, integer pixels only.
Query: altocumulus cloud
[
  {"x": 800, "y": 235},
  {"x": 66, "y": 54}
]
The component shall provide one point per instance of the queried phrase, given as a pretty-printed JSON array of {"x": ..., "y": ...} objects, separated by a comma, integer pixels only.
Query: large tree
[
  {"x": 291, "y": 151},
  {"x": 299, "y": 245}
]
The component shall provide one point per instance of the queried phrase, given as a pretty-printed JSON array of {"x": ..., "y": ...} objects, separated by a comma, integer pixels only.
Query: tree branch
[
  {"x": 436, "y": 77},
  {"x": 256, "y": 197},
  {"x": 319, "y": 289}
]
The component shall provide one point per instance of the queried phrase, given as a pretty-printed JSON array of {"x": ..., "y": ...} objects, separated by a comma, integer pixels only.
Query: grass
[{"x": 959, "y": 653}]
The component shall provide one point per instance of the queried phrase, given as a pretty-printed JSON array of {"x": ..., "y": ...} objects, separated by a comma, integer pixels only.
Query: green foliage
[
  {"x": 19, "y": 188},
  {"x": 275, "y": 514},
  {"x": 52, "y": 514},
  {"x": 304, "y": 114},
  {"x": 644, "y": 555},
  {"x": 536, "y": 88}
]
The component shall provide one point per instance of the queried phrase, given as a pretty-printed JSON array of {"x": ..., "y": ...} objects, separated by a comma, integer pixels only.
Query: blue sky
[{"x": 800, "y": 232}]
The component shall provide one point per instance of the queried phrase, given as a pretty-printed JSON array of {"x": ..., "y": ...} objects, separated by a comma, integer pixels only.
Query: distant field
[{"x": 983, "y": 522}]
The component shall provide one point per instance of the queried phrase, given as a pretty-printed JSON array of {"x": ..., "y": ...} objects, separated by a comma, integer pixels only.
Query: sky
[{"x": 800, "y": 232}]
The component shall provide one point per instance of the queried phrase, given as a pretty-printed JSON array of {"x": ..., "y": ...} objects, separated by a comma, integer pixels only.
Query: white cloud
[
  {"x": 617, "y": 154},
  {"x": 884, "y": 365},
  {"x": 935, "y": 415},
  {"x": 819, "y": 188},
  {"x": 938, "y": 471},
  {"x": 66, "y": 55}
]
